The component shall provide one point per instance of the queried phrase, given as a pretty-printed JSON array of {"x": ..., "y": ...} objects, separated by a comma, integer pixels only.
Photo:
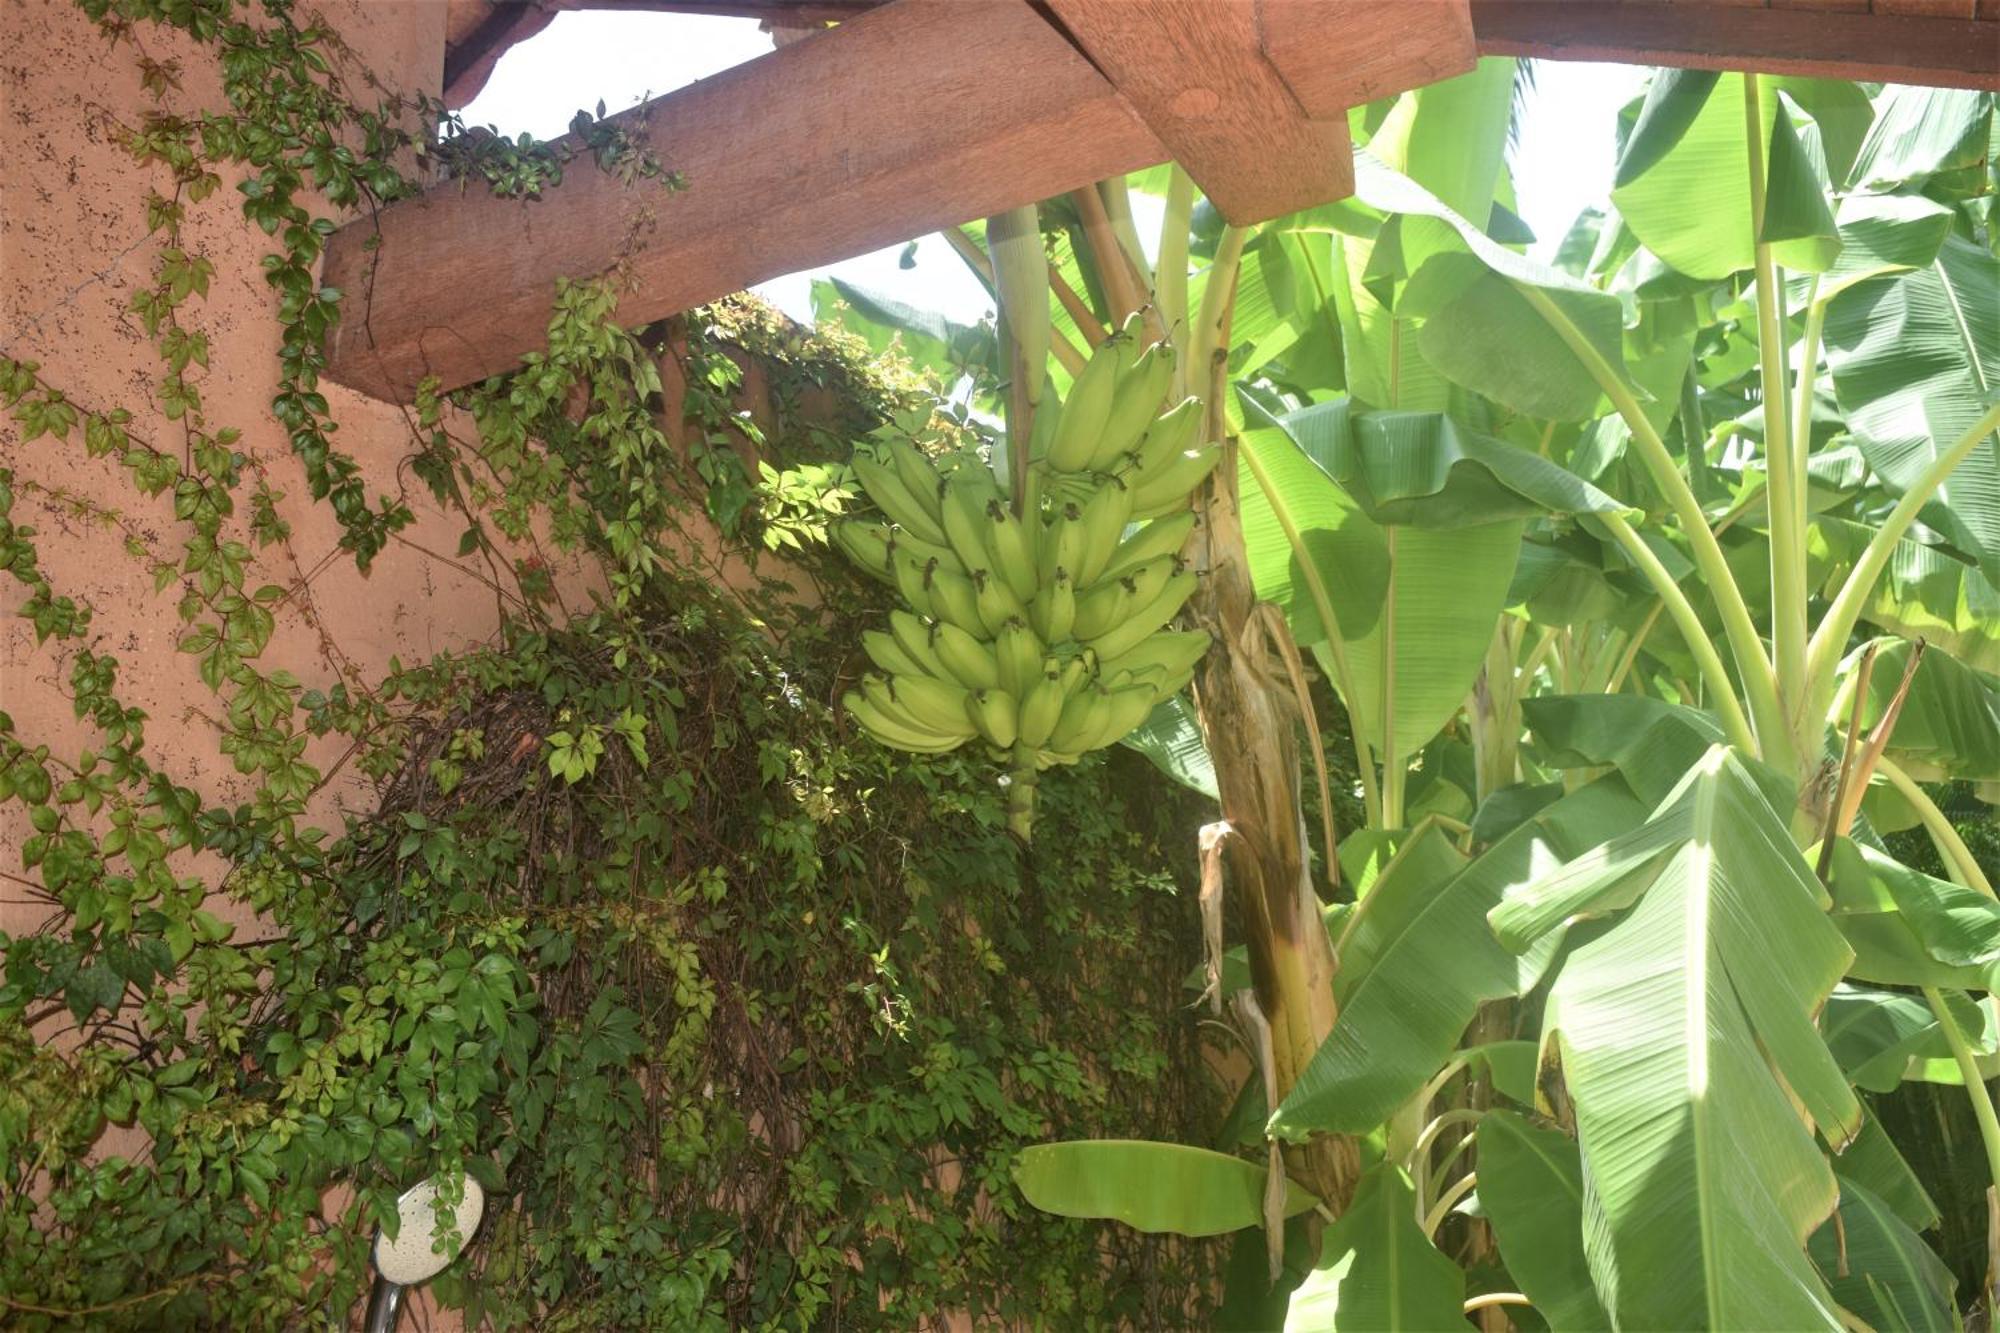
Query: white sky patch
[{"x": 623, "y": 57}]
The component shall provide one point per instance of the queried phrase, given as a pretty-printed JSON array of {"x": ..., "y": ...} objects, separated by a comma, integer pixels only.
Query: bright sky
[{"x": 624, "y": 57}]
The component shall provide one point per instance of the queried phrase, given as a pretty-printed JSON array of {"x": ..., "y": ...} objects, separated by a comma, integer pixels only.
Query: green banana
[
  {"x": 1040, "y": 711},
  {"x": 1136, "y": 404},
  {"x": 1053, "y": 612},
  {"x": 1013, "y": 551},
  {"x": 1103, "y": 606},
  {"x": 966, "y": 659},
  {"x": 887, "y": 489},
  {"x": 1174, "y": 431},
  {"x": 1084, "y": 713},
  {"x": 1174, "y": 684},
  {"x": 913, "y": 635},
  {"x": 1174, "y": 650},
  {"x": 909, "y": 543},
  {"x": 1129, "y": 632},
  {"x": 886, "y": 653},
  {"x": 1149, "y": 578},
  {"x": 892, "y": 733},
  {"x": 996, "y": 716},
  {"x": 1019, "y": 654},
  {"x": 1103, "y": 525},
  {"x": 917, "y": 473},
  {"x": 953, "y": 598},
  {"x": 1085, "y": 410},
  {"x": 875, "y": 689},
  {"x": 1127, "y": 709},
  {"x": 933, "y": 703},
  {"x": 1171, "y": 485},
  {"x": 1062, "y": 543},
  {"x": 994, "y": 601},
  {"x": 867, "y": 545},
  {"x": 965, "y": 527},
  {"x": 911, "y": 578},
  {"x": 1162, "y": 536}
]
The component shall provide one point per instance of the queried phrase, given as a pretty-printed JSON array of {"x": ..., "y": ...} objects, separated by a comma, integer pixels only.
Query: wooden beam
[
  {"x": 1953, "y": 53},
  {"x": 917, "y": 115},
  {"x": 1335, "y": 54},
  {"x": 1196, "y": 72}
]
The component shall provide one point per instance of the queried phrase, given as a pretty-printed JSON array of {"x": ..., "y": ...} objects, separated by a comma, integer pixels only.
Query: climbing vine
[{"x": 739, "y": 1017}]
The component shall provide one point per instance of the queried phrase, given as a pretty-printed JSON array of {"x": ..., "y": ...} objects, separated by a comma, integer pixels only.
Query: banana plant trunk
[{"x": 1250, "y": 721}]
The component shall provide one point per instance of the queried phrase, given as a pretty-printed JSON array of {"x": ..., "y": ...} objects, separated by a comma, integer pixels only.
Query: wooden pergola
[{"x": 912, "y": 115}]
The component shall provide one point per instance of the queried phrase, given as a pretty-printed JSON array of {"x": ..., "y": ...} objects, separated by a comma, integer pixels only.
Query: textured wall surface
[{"x": 73, "y": 249}]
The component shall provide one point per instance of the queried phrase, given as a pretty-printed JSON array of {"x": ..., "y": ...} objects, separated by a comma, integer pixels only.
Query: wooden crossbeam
[
  {"x": 917, "y": 115},
  {"x": 1196, "y": 72},
  {"x": 923, "y": 113},
  {"x": 1890, "y": 45},
  {"x": 1335, "y": 54}
]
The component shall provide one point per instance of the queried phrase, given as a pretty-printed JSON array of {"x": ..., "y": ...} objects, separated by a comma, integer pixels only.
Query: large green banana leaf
[
  {"x": 1923, "y": 132},
  {"x": 1924, "y": 592},
  {"x": 1950, "y": 723},
  {"x": 1171, "y": 739},
  {"x": 1417, "y": 961},
  {"x": 1886, "y": 1038},
  {"x": 1150, "y": 1186},
  {"x": 1448, "y": 139},
  {"x": 1377, "y": 1270},
  {"x": 1451, "y": 137},
  {"x": 1684, "y": 1030},
  {"x": 1531, "y": 1188},
  {"x": 1478, "y": 326},
  {"x": 1650, "y": 742},
  {"x": 1415, "y": 609},
  {"x": 1880, "y": 233},
  {"x": 928, "y": 339},
  {"x": 1873, "y": 1161},
  {"x": 1423, "y": 469},
  {"x": 1915, "y": 359},
  {"x": 1881, "y": 1270},
  {"x": 1956, "y": 925},
  {"x": 1683, "y": 180}
]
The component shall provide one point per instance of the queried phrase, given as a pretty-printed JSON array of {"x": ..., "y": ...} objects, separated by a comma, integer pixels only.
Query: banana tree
[
  {"x": 1800, "y": 389},
  {"x": 1619, "y": 568}
]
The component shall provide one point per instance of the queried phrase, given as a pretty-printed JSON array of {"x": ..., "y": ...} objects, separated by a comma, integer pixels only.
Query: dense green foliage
[
  {"x": 1658, "y": 587},
  {"x": 741, "y": 1016}
]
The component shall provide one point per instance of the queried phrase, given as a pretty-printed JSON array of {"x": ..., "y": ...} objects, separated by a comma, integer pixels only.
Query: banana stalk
[{"x": 1249, "y": 719}]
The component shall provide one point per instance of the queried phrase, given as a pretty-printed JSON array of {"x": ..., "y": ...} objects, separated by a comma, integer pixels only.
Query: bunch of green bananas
[{"x": 1044, "y": 636}]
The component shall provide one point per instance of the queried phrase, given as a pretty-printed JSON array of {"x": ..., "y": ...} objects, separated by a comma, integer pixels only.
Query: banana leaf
[
  {"x": 1417, "y": 961},
  {"x": 1950, "y": 724},
  {"x": 1955, "y": 925},
  {"x": 1684, "y": 1030},
  {"x": 1886, "y": 1038},
  {"x": 1155, "y": 1187},
  {"x": 928, "y": 339},
  {"x": 1881, "y": 1270},
  {"x": 1377, "y": 1270},
  {"x": 1415, "y": 609},
  {"x": 1650, "y": 742},
  {"x": 1170, "y": 738},
  {"x": 1925, "y": 592},
  {"x": 1915, "y": 359},
  {"x": 1478, "y": 326},
  {"x": 1423, "y": 469},
  {"x": 1531, "y": 1187},
  {"x": 1872, "y": 1161},
  {"x": 1683, "y": 181},
  {"x": 1879, "y": 234},
  {"x": 1920, "y": 133}
]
